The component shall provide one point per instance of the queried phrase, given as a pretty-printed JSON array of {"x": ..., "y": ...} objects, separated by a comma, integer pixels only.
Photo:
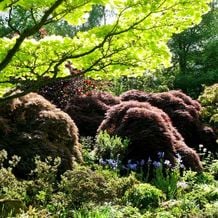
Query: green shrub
[
  {"x": 201, "y": 200},
  {"x": 40, "y": 189},
  {"x": 157, "y": 81},
  {"x": 10, "y": 187},
  {"x": 37, "y": 192},
  {"x": 209, "y": 101},
  {"x": 177, "y": 208},
  {"x": 193, "y": 178},
  {"x": 204, "y": 193},
  {"x": 81, "y": 186},
  {"x": 214, "y": 169},
  {"x": 110, "y": 146},
  {"x": 211, "y": 209},
  {"x": 119, "y": 185},
  {"x": 88, "y": 144},
  {"x": 98, "y": 212},
  {"x": 143, "y": 196},
  {"x": 108, "y": 211},
  {"x": 33, "y": 212}
]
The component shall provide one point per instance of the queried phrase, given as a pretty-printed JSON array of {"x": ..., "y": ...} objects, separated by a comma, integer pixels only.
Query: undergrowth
[{"x": 94, "y": 190}]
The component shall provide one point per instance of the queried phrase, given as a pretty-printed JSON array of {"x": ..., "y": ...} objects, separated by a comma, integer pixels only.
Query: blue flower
[
  {"x": 182, "y": 166},
  {"x": 129, "y": 161},
  {"x": 132, "y": 166},
  {"x": 102, "y": 162},
  {"x": 156, "y": 164},
  {"x": 112, "y": 163},
  {"x": 142, "y": 162},
  {"x": 160, "y": 155}
]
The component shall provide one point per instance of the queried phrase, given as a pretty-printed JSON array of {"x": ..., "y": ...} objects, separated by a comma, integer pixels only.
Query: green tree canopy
[
  {"x": 133, "y": 40},
  {"x": 195, "y": 54}
]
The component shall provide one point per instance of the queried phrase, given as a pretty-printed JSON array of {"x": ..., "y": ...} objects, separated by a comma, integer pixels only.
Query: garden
[{"x": 108, "y": 109}]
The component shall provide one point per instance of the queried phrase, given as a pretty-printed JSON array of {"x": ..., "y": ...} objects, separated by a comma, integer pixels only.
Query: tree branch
[
  {"x": 26, "y": 33},
  {"x": 9, "y": 21},
  {"x": 114, "y": 33}
]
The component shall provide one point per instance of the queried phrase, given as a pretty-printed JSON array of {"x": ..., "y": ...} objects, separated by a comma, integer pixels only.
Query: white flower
[
  {"x": 182, "y": 185},
  {"x": 149, "y": 160},
  {"x": 200, "y": 146},
  {"x": 204, "y": 150},
  {"x": 167, "y": 163}
]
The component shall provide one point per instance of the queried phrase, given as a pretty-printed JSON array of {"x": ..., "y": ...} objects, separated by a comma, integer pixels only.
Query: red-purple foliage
[
  {"x": 31, "y": 126},
  {"x": 62, "y": 91},
  {"x": 150, "y": 131},
  {"x": 183, "y": 112},
  {"x": 186, "y": 99},
  {"x": 80, "y": 99},
  {"x": 88, "y": 111}
]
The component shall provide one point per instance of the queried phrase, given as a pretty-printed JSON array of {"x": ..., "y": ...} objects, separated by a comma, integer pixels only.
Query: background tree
[
  {"x": 195, "y": 54},
  {"x": 20, "y": 18},
  {"x": 135, "y": 39}
]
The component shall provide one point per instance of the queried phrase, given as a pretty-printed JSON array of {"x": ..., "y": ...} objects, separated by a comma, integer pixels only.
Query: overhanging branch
[{"x": 26, "y": 33}]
